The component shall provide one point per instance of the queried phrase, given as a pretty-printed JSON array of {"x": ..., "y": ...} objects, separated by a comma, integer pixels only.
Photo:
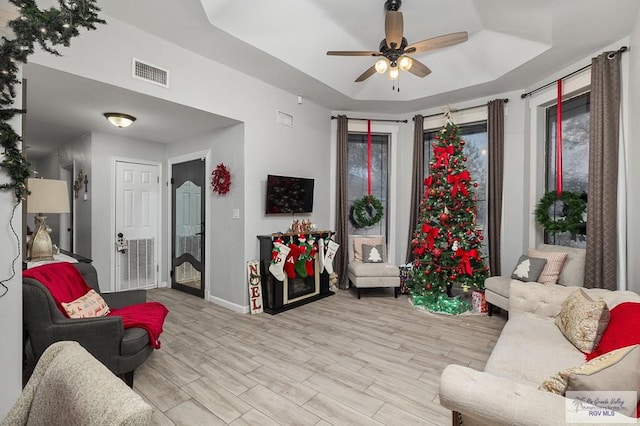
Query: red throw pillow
[{"x": 623, "y": 329}]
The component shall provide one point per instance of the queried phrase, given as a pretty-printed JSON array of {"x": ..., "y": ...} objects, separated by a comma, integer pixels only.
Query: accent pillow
[
  {"x": 555, "y": 262},
  {"x": 583, "y": 320},
  {"x": 90, "y": 305},
  {"x": 359, "y": 241},
  {"x": 372, "y": 254},
  {"x": 623, "y": 329},
  {"x": 614, "y": 371},
  {"x": 528, "y": 269}
]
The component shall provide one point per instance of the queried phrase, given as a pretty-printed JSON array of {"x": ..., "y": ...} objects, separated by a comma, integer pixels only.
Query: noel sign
[{"x": 255, "y": 287}]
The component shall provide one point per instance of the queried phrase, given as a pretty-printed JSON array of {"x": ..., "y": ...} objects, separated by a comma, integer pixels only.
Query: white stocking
[
  {"x": 332, "y": 248},
  {"x": 278, "y": 255}
]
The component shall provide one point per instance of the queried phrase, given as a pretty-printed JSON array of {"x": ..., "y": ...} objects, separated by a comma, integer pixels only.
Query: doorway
[
  {"x": 188, "y": 226},
  {"x": 137, "y": 225}
]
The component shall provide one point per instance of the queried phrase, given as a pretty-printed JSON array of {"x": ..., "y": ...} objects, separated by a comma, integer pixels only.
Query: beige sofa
[
  {"x": 572, "y": 275},
  {"x": 530, "y": 349}
]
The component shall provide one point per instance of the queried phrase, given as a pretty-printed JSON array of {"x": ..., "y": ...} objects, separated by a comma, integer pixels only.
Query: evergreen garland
[
  {"x": 48, "y": 28},
  {"x": 366, "y": 211}
]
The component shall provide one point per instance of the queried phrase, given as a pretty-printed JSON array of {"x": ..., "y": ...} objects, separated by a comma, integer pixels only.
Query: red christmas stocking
[{"x": 291, "y": 259}]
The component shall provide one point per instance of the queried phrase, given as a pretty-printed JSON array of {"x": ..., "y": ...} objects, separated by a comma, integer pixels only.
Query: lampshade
[
  {"x": 119, "y": 119},
  {"x": 393, "y": 73},
  {"x": 47, "y": 196}
]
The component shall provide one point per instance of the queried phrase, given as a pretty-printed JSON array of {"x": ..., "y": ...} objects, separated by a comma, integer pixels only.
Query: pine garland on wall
[{"x": 47, "y": 28}]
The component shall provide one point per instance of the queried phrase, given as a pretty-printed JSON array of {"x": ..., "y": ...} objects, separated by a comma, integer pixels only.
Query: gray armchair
[{"x": 119, "y": 349}]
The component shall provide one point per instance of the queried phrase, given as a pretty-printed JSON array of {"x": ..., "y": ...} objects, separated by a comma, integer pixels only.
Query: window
[
  {"x": 358, "y": 176},
  {"x": 476, "y": 151},
  {"x": 575, "y": 157}
]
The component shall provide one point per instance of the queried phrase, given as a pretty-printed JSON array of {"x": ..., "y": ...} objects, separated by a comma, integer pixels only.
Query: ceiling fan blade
[
  {"x": 352, "y": 53},
  {"x": 419, "y": 69},
  {"x": 365, "y": 75},
  {"x": 393, "y": 29},
  {"x": 437, "y": 42}
]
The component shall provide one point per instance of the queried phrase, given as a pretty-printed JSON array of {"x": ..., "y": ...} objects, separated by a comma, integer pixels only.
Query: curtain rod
[
  {"x": 458, "y": 110},
  {"x": 333, "y": 117},
  {"x": 610, "y": 56}
]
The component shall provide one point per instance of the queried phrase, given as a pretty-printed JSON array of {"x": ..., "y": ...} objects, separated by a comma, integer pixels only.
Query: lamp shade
[
  {"x": 47, "y": 196},
  {"x": 119, "y": 119}
]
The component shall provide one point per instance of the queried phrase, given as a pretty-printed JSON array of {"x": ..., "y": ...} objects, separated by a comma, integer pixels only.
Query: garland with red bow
[{"x": 221, "y": 179}]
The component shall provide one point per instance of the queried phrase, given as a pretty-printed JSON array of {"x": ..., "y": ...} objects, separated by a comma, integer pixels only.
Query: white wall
[
  {"x": 10, "y": 274},
  {"x": 633, "y": 159}
]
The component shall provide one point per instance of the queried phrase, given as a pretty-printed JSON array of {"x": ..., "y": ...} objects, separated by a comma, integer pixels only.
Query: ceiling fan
[{"x": 394, "y": 48}]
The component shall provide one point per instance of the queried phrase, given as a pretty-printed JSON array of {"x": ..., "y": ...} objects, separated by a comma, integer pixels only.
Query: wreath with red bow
[{"x": 220, "y": 179}]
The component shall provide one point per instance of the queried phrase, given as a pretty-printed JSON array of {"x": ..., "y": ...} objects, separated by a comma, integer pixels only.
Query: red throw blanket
[{"x": 66, "y": 284}]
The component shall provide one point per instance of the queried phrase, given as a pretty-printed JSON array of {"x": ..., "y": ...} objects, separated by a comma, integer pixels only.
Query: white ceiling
[{"x": 512, "y": 45}]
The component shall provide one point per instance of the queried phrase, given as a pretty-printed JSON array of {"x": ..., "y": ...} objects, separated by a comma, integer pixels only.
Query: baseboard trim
[{"x": 226, "y": 304}]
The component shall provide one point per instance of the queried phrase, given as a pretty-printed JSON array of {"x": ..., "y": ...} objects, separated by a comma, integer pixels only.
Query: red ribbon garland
[
  {"x": 465, "y": 260},
  {"x": 559, "y": 140},
  {"x": 368, "y": 157},
  {"x": 458, "y": 182}
]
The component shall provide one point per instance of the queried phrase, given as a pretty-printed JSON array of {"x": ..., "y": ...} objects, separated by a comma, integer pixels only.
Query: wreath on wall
[
  {"x": 221, "y": 179},
  {"x": 366, "y": 211},
  {"x": 571, "y": 218}
]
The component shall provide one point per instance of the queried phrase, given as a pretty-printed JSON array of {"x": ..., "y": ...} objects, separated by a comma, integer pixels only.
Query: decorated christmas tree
[{"x": 447, "y": 242}]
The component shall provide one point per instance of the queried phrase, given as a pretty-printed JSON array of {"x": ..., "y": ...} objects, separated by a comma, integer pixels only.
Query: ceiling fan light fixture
[
  {"x": 119, "y": 120},
  {"x": 382, "y": 65},
  {"x": 405, "y": 63},
  {"x": 394, "y": 72}
]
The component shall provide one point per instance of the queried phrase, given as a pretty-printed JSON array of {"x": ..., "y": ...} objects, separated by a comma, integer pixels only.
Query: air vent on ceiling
[
  {"x": 284, "y": 118},
  {"x": 150, "y": 73}
]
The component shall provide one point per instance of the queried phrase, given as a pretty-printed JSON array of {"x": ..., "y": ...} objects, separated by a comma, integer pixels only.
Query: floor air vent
[{"x": 150, "y": 73}]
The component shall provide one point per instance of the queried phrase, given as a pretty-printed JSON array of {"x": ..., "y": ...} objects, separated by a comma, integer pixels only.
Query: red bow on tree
[
  {"x": 465, "y": 260},
  {"x": 442, "y": 155},
  {"x": 432, "y": 234},
  {"x": 428, "y": 181},
  {"x": 459, "y": 183}
]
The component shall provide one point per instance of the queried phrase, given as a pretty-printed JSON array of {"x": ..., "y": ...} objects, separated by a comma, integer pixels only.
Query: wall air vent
[
  {"x": 149, "y": 73},
  {"x": 284, "y": 119}
]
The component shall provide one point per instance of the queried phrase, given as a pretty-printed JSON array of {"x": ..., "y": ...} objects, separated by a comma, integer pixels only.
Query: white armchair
[{"x": 368, "y": 266}]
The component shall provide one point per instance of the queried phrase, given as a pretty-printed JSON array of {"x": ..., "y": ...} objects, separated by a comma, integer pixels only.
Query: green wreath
[
  {"x": 571, "y": 221},
  {"x": 366, "y": 211}
]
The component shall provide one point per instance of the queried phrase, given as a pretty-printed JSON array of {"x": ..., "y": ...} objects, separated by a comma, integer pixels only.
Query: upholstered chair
[{"x": 368, "y": 265}]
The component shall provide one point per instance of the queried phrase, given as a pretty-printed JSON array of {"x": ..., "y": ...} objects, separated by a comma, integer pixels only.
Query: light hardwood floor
[{"x": 336, "y": 361}]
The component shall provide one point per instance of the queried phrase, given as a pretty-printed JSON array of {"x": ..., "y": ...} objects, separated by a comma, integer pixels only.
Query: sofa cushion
[
  {"x": 90, "y": 305},
  {"x": 572, "y": 273},
  {"x": 358, "y": 241},
  {"x": 555, "y": 262},
  {"x": 530, "y": 349},
  {"x": 528, "y": 268},
  {"x": 623, "y": 329},
  {"x": 614, "y": 371},
  {"x": 372, "y": 253},
  {"x": 361, "y": 269},
  {"x": 583, "y": 320},
  {"x": 133, "y": 340}
]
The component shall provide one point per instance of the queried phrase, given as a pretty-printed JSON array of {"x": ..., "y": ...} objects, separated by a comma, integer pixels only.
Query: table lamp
[{"x": 47, "y": 196}]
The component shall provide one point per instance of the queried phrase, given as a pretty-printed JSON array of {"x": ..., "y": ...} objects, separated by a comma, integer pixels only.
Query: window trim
[{"x": 392, "y": 131}]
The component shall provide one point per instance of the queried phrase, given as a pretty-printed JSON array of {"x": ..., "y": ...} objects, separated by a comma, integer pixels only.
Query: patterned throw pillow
[
  {"x": 583, "y": 320},
  {"x": 528, "y": 269},
  {"x": 555, "y": 262},
  {"x": 90, "y": 305},
  {"x": 372, "y": 254},
  {"x": 614, "y": 371},
  {"x": 359, "y": 241}
]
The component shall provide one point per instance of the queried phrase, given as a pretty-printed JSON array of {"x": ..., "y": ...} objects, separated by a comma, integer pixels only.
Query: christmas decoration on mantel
[
  {"x": 221, "y": 179},
  {"x": 447, "y": 242},
  {"x": 48, "y": 28},
  {"x": 368, "y": 210}
]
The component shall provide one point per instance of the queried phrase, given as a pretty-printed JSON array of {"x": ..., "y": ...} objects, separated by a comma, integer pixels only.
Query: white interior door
[{"x": 137, "y": 225}]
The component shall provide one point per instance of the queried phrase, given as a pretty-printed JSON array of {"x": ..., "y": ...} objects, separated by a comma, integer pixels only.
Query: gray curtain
[
  {"x": 417, "y": 179},
  {"x": 602, "y": 203},
  {"x": 495, "y": 135},
  {"x": 341, "y": 259}
]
